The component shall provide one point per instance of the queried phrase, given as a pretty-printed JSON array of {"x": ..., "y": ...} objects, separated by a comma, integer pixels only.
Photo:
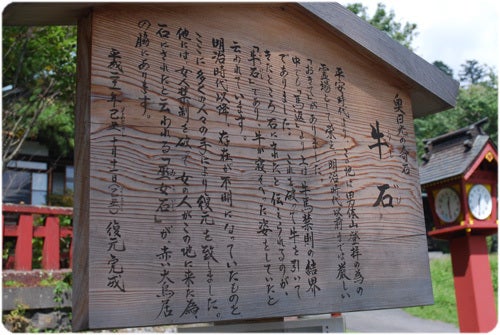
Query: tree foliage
[
  {"x": 39, "y": 71},
  {"x": 443, "y": 67},
  {"x": 478, "y": 94},
  {"x": 477, "y": 99},
  {"x": 385, "y": 21},
  {"x": 472, "y": 72}
]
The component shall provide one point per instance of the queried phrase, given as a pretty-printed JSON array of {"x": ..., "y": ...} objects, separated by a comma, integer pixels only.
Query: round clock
[
  {"x": 480, "y": 203},
  {"x": 447, "y": 204}
]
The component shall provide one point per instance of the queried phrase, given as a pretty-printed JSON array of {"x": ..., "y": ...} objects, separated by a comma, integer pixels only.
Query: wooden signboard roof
[{"x": 430, "y": 89}]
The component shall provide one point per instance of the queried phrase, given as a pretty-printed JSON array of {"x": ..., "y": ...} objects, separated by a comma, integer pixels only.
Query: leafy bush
[{"x": 16, "y": 321}]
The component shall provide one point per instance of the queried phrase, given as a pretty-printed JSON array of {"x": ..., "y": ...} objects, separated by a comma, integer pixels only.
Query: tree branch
[{"x": 44, "y": 98}]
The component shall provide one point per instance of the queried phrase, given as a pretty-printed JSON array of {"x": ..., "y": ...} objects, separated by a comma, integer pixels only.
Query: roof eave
[
  {"x": 45, "y": 13},
  {"x": 444, "y": 180},
  {"x": 431, "y": 91}
]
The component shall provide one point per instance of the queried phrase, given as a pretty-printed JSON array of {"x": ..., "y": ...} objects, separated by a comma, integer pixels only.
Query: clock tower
[{"x": 459, "y": 175}]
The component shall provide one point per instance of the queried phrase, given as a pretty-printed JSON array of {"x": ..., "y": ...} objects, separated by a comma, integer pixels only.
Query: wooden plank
[
  {"x": 24, "y": 248},
  {"x": 9, "y": 231},
  {"x": 80, "y": 241},
  {"x": 51, "y": 252},
  {"x": 302, "y": 198},
  {"x": 66, "y": 231},
  {"x": 33, "y": 209},
  {"x": 39, "y": 231}
]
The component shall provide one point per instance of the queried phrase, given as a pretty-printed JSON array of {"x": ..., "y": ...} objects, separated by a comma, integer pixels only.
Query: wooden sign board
[{"x": 244, "y": 163}]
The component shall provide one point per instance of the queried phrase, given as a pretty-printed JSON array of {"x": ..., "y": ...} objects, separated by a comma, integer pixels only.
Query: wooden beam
[
  {"x": 34, "y": 209},
  {"x": 45, "y": 13},
  {"x": 82, "y": 187}
]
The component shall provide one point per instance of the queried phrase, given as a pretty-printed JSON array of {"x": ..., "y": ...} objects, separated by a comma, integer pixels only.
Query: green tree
[
  {"x": 472, "y": 73},
  {"x": 385, "y": 21},
  {"x": 478, "y": 95},
  {"x": 443, "y": 67},
  {"x": 39, "y": 71},
  {"x": 476, "y": 100}
]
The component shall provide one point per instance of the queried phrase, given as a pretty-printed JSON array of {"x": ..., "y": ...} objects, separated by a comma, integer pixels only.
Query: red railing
[{"x": 18, "y": 222}]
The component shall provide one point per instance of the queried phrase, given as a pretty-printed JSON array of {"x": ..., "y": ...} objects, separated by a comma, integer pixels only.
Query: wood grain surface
[{"x": 245, "y": 163}]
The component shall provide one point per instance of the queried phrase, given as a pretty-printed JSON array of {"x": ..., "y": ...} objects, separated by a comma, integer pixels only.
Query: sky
[{"x": 451, "y": 31}]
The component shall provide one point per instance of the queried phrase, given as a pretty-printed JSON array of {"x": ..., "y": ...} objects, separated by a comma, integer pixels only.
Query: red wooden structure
[
  {"x": 24, "y": 230},
  {"x": 460, "y": 177}
]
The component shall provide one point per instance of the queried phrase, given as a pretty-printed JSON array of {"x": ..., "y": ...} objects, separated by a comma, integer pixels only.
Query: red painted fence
[{"x": 24, "y": 230}]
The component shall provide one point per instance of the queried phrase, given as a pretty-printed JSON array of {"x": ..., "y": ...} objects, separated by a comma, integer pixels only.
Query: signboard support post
[{"x": 474, "y": 293}]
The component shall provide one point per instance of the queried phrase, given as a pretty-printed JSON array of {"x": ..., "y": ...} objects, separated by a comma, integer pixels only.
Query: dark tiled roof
[{"x": 452, "y": 154}]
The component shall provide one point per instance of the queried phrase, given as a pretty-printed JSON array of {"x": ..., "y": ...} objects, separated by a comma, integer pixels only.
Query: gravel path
[{"x": 394, "y": 321}]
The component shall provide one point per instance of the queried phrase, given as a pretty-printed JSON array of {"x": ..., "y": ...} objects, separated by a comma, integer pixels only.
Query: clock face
[
  {"x": 447, "y": 204},
  {"x": 480, "y": 203}
]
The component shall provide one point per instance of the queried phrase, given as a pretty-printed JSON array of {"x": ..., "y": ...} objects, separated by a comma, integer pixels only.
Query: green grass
[
  {"x": 444, "y": 308},
  {"x": 12, "y": 283}
]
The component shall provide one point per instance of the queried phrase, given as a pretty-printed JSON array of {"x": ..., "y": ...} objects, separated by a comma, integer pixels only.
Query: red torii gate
[{"x": 25, "y": 231}]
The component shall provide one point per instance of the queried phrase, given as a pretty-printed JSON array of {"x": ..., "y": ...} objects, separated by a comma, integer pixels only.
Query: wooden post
[
  {"x": 473, "y": 286},
  {"x": 80, "y": 262},
  {"x": 51, "y": 251},
  {"x": 24, "y": 248}
]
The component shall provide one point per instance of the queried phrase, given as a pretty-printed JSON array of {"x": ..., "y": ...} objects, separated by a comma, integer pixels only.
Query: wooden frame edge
[{"x": 82, "y": 181}]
